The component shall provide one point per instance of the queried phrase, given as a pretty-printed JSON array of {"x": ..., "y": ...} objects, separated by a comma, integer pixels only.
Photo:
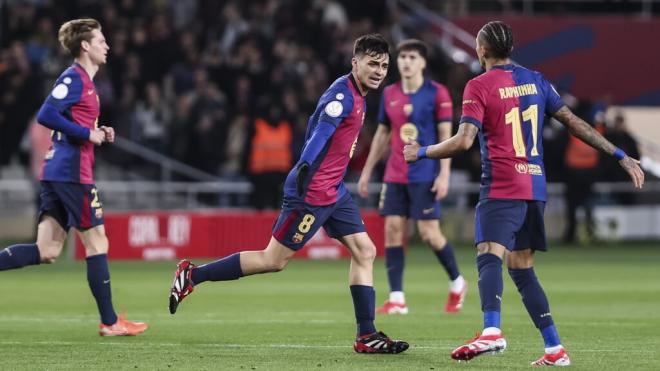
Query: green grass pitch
[{"x": 605, "y": 302}]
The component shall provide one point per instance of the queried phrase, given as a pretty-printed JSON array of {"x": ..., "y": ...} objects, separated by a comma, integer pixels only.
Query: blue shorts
[
  {"x": 412, "y": 200},
  {"x": 299, "y": 221},
  {"x": 71, "y": 204},
  {"x": 516, "y": 224}
]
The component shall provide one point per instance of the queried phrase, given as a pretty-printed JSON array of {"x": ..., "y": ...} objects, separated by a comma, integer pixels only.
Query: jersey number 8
[{"x": 306, "y": 223}]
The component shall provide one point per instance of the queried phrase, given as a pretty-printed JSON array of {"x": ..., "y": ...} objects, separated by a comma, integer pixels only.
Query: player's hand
[
  {"x": 109, "y": 133},
  {"x": 363, "y": 185},
  {"x": 301, "y": 176},
  {"x": 410, "y": 151},
  {"x": 440, "y": 187},
  {"x": 631, "y": 166},
  {"x": 97, "y": 136}
]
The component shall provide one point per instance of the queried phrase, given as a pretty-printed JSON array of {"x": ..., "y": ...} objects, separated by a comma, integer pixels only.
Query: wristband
[
  {"x": 421, "y": 153},
  {"x": 619, "y": 154}
]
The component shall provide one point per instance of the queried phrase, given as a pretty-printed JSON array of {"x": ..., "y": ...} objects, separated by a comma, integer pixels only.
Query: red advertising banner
[{"x": 169, "y": 235}]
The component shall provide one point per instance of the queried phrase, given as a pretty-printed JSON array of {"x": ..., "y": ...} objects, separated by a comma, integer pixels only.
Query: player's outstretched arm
[
  {"x": 441, "y": 183},
  {"x": 376, "y": 152},
  {"x": 460, "y": 142},
  {"x": 589, "y": 135}
]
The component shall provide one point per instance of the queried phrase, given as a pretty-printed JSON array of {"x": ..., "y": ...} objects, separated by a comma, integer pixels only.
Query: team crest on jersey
[
  {"x": 408, "y": 109},
  {"x": 99, "y": 213},
  {"x": 334, "y": 108},
  {"x": 297, "y": 238},
  {"x": 408, "y": 132}
]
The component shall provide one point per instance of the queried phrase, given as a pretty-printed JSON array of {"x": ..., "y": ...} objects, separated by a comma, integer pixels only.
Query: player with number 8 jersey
[{"x": 315, "y": 196}]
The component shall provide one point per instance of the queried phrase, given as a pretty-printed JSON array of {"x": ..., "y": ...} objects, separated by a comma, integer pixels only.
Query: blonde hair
[{"x": 73, "y": 32}]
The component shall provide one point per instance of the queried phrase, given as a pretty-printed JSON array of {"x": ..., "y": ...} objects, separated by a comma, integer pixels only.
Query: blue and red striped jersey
[
  {"x": 508, "y": 104},
  {"x": 75, "y": 101},
  {"x": 413, "y": 116},
  {"x": 330, "y": 141}
]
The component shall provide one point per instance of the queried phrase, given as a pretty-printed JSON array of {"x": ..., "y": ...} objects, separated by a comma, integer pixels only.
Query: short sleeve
[
  {"x": 474, "y": 103},
  {"x": 67, "y": 91},
  {"x": 553, "y": 101},
  {"x": 382, "y": 113},
  {"x": 443, "y": 106},
  {"x": 337, "y": 105}
]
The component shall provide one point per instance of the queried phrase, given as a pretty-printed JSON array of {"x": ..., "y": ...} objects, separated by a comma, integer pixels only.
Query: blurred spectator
[
  {"x": 270, "y": 155},
  {"x": 151, "y": 120},
  {"x": 581, "y": 170},
  {"x": 619, "y": 136}
]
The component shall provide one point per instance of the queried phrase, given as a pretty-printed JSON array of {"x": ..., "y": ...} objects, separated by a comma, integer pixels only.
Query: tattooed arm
[{"x": 589, "y": 135}]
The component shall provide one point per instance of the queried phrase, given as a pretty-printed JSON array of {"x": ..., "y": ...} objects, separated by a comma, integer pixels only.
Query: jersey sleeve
[
  {"x": 382, "y": 113},
  {"x": 443, "y": 106},
  {"x": 337, "y": 105},
  {"x": 553, "y": 101},
  {"x": 67, "y": 91},
  {"x": 474, "y": 103}
]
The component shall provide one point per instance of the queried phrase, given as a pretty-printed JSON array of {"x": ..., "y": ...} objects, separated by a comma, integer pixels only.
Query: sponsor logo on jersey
[
  {"x": 408, "y": 132},
  {"x": 531, "y": 169}
]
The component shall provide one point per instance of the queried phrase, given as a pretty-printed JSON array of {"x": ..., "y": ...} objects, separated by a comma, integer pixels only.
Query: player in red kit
[
  {"x": 505, "y": 107},
  {"x": 68, "y": 196},
  {"x": 315, "y": 196}
]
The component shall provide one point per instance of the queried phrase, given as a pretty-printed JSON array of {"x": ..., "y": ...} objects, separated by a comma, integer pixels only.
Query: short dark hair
[
  {"x": 73, "y": 32},
  {"x": 498, "y": 37},
  {"x": 371, "y": 44},
  {"x": 413, "y": 45}
]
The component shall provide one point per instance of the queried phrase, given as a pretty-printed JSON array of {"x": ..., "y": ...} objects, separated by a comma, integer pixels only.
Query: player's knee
[
  {"x": 48, "y": 252},
  {"x": 366, "y": 253},
  {"x": 99, "y": 246},
  {"x": 520, "y": 259},
  {"x": 278, "y": 265}
]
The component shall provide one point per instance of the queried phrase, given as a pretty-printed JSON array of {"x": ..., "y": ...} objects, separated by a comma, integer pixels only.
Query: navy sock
[
  {"x": 225, "y": 269},
  {"x": 98, "y": 277},
  {"x": 364, "y": 302},
  {"x": 394, "y": 262},
  {"x": 18, "y": 256},
  {"x": 536, "y": 303},
  {"x": 448, "y": 260},
  {"x": 491, "y": 286}
]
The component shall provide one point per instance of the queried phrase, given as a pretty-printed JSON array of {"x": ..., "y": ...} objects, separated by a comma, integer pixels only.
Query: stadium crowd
[{"x": 191, "y": 78}]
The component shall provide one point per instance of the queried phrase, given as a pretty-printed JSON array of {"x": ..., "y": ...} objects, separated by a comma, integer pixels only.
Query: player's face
[
  {"x": 97, "y": 48},
  {"x": 371, "y": 69},
  {"x": 410, "y": 63}
]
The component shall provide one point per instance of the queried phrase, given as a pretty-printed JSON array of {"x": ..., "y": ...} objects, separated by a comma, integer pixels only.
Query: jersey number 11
[{"x": 513, "y": 118}]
